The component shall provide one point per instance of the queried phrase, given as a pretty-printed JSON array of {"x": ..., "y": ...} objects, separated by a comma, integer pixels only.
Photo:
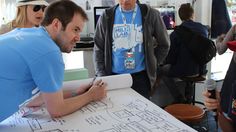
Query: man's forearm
[{"x": 58, "y": 106}]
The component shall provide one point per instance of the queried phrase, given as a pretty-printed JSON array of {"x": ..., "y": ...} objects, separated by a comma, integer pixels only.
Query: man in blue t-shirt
[
  {"x": 131, "y": 38},
  {"x": 31, "y": 59}
]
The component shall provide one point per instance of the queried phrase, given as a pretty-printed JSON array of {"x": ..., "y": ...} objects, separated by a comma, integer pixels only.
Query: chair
[
  {"x": 188, "y": 113},
  {"x": 190, "y": 84},
  {"x": 176, "y": 85}
]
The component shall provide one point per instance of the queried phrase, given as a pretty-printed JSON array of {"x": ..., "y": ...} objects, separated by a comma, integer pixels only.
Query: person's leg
[
  {"x": 141, "y": 84},
  {"x": 189, "y": 92},
  {"x": 173, "y": 89}
]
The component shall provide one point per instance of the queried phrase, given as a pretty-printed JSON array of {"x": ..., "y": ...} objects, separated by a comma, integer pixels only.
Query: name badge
[{"x": 129, "y": 60}]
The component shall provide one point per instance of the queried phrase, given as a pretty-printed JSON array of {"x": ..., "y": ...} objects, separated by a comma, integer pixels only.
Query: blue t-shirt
[
  {"x": 29, "y": 59},
  {"x": 127, "y": 37}
]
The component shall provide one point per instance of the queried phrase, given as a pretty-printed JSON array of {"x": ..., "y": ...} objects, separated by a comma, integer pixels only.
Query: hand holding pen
[
  {"x": 97, "y": 90},
  {"x": 93, "y": 80},
  {"x": 98, "y": 83},
  {"x": 84, "y": 88}
]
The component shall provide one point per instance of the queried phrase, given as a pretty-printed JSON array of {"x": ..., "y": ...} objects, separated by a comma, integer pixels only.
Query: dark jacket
[
  {"x": 182, "y": 63},
  {"x": 228, "y": 91}
]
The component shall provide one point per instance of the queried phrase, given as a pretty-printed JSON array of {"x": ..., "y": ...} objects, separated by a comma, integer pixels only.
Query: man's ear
[{"x": 57, "y": 25}]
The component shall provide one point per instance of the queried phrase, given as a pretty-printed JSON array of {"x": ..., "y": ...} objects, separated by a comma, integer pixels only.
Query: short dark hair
[
  {"x": 185, "y": 11},
  {"x": 64, "y": 10}
]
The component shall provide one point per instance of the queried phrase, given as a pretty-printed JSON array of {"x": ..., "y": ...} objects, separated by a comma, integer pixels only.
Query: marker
[{"x": 94, "y": 78}]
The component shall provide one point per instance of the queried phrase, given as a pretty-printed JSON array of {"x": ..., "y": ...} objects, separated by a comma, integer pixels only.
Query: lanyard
[
  {"x": 132, "y": 21},
  {"x": 133, "y": 17}
]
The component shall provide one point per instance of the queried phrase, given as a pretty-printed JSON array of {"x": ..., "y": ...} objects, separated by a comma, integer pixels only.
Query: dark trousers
[
  {"x": 141, "y": 83},
  {"x": 178, "y": 96}
]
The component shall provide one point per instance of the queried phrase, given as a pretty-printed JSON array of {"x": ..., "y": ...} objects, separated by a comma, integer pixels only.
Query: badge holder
[{"x": 129, "y": 60}]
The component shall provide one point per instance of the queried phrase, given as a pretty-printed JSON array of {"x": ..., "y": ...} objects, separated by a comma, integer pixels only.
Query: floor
[{"x": 163, "y": 98}]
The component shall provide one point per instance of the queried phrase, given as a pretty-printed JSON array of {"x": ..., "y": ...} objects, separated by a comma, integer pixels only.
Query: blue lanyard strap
[
  {"x": 133, "y": 17},
  {"x": 132, "y": 22}
]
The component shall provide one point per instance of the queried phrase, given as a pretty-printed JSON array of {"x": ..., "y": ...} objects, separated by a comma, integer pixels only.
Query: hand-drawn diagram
[{"x": 123, "y": 110}]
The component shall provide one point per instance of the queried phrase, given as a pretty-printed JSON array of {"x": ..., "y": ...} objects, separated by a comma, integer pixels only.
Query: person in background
[
  {"x": 29, "y": 14},
  {"x": 225, "y": 103},
  {"x": 179, "y": 62},
  {"x": 32, "y": 59},
  {"x": 131, "y": 38}
]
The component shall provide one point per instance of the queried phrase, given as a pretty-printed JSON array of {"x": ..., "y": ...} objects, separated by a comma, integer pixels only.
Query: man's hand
[
  {"x": 98, "y": 90},
  {"x": 209, "y": 102},
  {"x": 36, "y": 102}
]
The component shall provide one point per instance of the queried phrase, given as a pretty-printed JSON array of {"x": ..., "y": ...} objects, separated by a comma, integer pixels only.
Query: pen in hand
[
  {"x": 92, "y": 82},
  {"x": 84, "y": 88}
]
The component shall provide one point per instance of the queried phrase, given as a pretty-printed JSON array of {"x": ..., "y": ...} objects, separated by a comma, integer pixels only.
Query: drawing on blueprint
[{"x": 123, "y": 110}]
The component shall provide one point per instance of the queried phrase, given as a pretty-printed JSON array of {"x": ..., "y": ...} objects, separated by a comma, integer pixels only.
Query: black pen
[{"x": 94, "y": 78}]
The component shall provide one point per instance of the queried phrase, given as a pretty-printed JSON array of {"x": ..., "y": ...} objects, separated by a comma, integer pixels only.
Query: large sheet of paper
[
  {"x": 123, "y": 110},
  {"x": 113, "y": 82}
]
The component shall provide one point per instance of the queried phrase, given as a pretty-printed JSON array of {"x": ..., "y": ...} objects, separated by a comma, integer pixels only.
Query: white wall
[
  {"x": 89, "y": 26},
  {"x": 203, "y": 11}
]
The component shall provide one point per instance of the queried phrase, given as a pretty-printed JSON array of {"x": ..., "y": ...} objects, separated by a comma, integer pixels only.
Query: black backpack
[{"x": 201, "y": 48}]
